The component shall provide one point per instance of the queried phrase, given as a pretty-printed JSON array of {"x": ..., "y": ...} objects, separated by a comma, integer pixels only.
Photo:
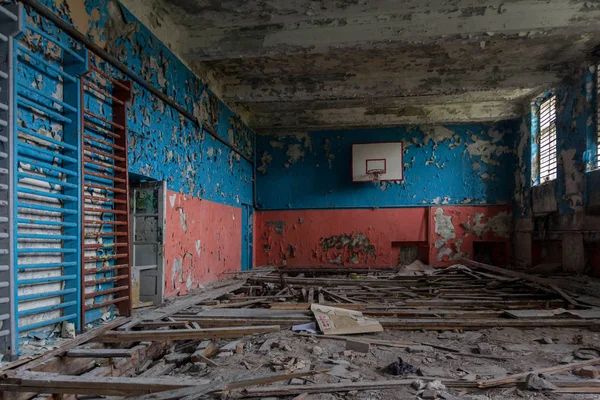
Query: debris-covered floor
[{"x": 468, "y": 331}]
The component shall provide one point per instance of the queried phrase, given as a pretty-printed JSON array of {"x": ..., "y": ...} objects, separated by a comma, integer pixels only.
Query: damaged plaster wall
[
  {"x": 207, "y": 178},
  {"x": 454, "y": 164},
  {"x": 374, "y": 237},
  {"x": 163, "y": 144},
  {"x": 457, "y": 230},
  {"x": 565, "y": 210},
  {"x": 203, "y": 241},
  {"x": 458, "y": 190},
  {"x": 335, "y": 237}
]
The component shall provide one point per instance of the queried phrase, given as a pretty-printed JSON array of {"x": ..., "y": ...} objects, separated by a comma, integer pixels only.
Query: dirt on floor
[{"x": 523, "y": 350}]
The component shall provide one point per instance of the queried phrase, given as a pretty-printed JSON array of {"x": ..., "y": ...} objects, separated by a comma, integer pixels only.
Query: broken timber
[{"x": 181, "y": 334}]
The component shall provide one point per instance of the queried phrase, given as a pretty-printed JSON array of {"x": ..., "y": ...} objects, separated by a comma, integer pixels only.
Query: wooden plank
[
  {"x": 388, "y": 343},
  {"x": 439, "y": 313},
  {"x": 586, "y": 314},
  {"x": 160, "y": 368},
  {"x": 534, "y": 313},
  {"x": 271, "y": 378},
  {"x": 546, "y": 371},
  {"x": 240, "y": 303},
  {"x": 251, "y": 313},
  {"x": 544, "y": 282},
  {"x": 99, "y": 353},
  {"x": 451, "y": 323},
  {"x": 204, "y": 352},
  {"x": 131, "y": 324},
  {"x": 562, "y": 294},
  {"x": 343, "y": 298},
  {"x": 306, "y": 306},
  {"x": 180, "y": 334},
  {"x": 503, "y": 271},
  {"x": 62, "y": 349},
  {"x": 196, "y": 392},
  {"x": 402, "y": 345},
  {"x": 321, "y": 296},
  {"x": 233, "y": 322},
  {"x": 289, "y": 390},
  {"x": 109, "y": 386},
  {"x": 211, "y": 293}
]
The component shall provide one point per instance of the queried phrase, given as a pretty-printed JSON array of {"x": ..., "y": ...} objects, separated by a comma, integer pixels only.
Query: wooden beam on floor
[
  {"x": 62, "y": 349},
  {"x": 99, "y": 353},
  {"x": 546, "y": 371},
  {"x": 185, "y": 334},
  {"x": 34, "y": 382}
]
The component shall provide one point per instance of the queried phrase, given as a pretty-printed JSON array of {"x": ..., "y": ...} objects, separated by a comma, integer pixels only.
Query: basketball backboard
[{"x": 377, "y": 162}]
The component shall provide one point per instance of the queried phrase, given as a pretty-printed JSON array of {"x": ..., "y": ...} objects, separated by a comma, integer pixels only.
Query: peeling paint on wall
[
  {"x": 457, "y": 229},
  {"x": 575, "y": 130},
  {"x": 174, "y": 156},
  {"x": 354, "y": 248},
  {"x": 376, "y": 237},
  {"x": 454, "y": 164},
  {"x": 203, "y": 238},
  {"x": 208, "y": 245},
  {"x": 443, "y": 225}
]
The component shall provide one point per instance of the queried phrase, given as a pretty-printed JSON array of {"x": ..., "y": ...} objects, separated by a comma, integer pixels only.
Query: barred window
[{"x": 547, "y": 136}]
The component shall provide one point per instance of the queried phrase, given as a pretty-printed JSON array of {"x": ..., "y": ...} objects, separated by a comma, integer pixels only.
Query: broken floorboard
[
  {"x": 399, "y": 302},
  {"x": 184, "y": 334}
]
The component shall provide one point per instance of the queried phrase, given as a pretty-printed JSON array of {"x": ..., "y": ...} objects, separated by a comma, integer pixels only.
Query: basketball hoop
[{"x": 375, "y": 175}]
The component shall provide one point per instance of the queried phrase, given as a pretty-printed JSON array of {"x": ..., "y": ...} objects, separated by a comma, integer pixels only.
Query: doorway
[
  {"x": 247, "y": 233},
  {"x": 148, "y": 227}
]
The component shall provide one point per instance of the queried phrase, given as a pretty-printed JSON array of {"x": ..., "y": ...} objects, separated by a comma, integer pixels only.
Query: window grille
[{"x": 547, "y": 135}]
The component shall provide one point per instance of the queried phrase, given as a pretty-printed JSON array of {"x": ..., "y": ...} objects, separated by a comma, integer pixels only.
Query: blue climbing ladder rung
[{"x": 46, "y": 160}]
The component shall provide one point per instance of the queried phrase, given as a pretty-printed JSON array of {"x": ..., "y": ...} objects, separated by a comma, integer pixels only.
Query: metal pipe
[{"x": 75, "y": 34}]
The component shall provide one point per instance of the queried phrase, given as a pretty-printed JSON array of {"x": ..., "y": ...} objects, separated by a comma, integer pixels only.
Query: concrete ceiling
[{"x": 304, "y": 65}]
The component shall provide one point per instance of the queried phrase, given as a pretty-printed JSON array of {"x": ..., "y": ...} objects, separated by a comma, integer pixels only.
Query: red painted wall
[
  {"x": 203, "y": 240},
  {"x": 372, "y": 237},
  {"x": 488, "y": 227}
]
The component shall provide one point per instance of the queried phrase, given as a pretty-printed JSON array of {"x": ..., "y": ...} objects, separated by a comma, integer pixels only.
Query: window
[{"x": 547, "y": 136}]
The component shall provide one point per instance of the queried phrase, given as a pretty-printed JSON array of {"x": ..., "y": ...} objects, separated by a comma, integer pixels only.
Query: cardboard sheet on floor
[{"x": 340, "y": 321}]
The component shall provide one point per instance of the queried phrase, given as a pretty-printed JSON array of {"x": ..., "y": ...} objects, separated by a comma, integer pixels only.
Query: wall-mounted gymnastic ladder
[
  {"x": 106, "y": 266},
  {"x": 68, "y": 159},
  {"x": 46, "y": 165}
]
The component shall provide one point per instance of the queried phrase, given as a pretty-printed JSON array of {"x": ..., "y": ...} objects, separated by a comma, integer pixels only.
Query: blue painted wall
[
  {"x": 163, "y": 144},
  {"x": 454, "y": 164},
  {"x": 576, "y": 138}
]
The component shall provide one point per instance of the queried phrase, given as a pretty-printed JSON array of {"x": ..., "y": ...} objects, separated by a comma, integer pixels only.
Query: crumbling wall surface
[
  {"x": 458, "y": 164},
  {"x": 365, "y": 237},
  {"x": 203, "y": 241},
  {"x": 335, "y": 237},
  {"x": 564, "y": 209},
  {"x": 164, "y": 145},
  {"x": 456, "y": 229}
]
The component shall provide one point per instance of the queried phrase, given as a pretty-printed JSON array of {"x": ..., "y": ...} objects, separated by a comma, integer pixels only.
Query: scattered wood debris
[{"x": 235, "y": 340}]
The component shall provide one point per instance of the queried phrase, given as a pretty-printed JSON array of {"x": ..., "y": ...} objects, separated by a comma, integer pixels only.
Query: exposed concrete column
[
  {"x": 522, "y": 242},
  {"x": 522, "y": 246},
  {"x": 573, "y": 253}
]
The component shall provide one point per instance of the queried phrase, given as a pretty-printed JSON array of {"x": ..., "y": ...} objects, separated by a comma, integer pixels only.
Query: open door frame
[{"x": 137, "y": 302}]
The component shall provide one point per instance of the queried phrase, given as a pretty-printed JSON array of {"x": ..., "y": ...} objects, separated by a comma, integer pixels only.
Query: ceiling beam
[
  {"x": 401, "y": 84},
  {"x": 381, "y": 27},
  {"x": 483, "y": 96},
  {"x": 364, "y": 117}
]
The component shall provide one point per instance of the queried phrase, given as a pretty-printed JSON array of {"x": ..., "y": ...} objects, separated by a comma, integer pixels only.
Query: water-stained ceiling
[{"x": 303, "y": 64}]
